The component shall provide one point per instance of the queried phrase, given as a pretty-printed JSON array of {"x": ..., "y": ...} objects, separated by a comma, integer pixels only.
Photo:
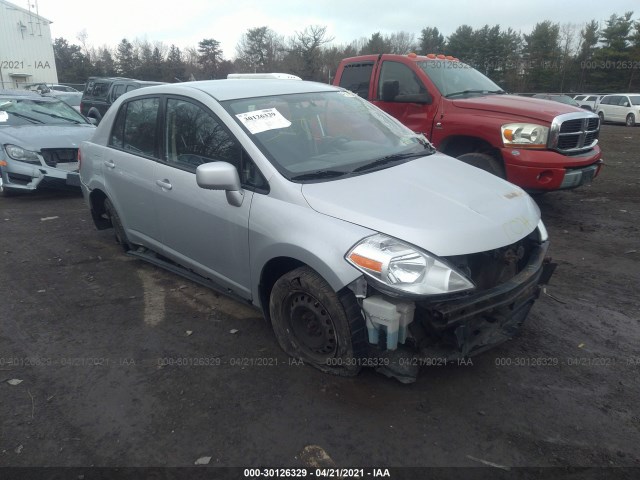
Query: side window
[
  {"x": 117, "y": 131},
  {"x": 356, "y": 77},
  {"x": 615, "y": 100},
  {"x": 117, "y": 90},
  {"x": 396, "y": 79},
  {"x": 100, "y": 89},
  {"x": 134, "y": 129},
  {"x": 131, "y": 87},
  {"x": 624, "y": 102},
  {"x": 193, "y": 136},
  {"x": 592, "y": 98}
]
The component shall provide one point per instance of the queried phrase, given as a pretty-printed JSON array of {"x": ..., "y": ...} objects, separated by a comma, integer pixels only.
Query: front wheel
[
  {"x": 630, "y": 120},
  {"x": 317, "y": 325},
  {"x": 601, "y": 115},
  {"x": 483, "y": 162}
]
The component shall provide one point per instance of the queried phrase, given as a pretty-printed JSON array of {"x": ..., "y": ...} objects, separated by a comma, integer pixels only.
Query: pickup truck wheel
[
  {"x": 631, "y": 120},
  {"x": 121, "y": 236},
  {"x": 317, "y": 325},
  {"x": 484, "y": 162}
]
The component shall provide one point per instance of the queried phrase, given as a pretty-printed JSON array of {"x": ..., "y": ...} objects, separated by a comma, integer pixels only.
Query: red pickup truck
[{"x": 539, "y": 145}]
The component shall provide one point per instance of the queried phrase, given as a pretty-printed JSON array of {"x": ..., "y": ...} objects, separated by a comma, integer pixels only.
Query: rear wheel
[
  {"x": 120, "y": 234},
  {"x": 317, "y": 325},
  {"x": 601, "y": 115},
  {"x": 484, "y": 162},
  {"x": 630, "y": 120}
]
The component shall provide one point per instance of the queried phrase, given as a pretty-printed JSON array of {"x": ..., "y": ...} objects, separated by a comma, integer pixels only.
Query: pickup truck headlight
[
  {"x": 525, "y": 135},
  {"x": 20, "y": 154},
  {"x": 405, "y": 268}
]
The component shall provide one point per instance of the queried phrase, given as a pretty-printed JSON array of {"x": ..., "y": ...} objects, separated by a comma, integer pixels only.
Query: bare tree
[
  {"x": 307, "y": 45},
  {"x": 402, "y": 42}
]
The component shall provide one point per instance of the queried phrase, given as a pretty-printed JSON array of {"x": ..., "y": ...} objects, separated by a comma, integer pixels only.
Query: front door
[{"x": 200, "y": 229}]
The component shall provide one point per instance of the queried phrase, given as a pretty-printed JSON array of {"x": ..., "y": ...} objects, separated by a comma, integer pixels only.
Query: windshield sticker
[
  {"x": 263, "y": 120},
  {"x": 4, "y": 116}
]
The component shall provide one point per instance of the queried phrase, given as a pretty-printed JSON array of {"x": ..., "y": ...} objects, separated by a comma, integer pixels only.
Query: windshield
[
  {"x": 565, "y": 99},
  {"x": 454, "y": 78},
  {"x": 316, "y": 136},
  {"x": 21, "y": 111}
]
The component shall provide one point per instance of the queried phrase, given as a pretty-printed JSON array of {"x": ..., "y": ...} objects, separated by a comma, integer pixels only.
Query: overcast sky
[{"x": 184, "y": 23}]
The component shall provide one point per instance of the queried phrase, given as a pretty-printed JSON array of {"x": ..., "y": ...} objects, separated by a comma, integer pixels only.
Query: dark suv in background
[{"x": 100, "y": 93}]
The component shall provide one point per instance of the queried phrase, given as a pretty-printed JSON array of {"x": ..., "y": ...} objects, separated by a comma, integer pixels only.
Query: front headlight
[
  {"x": 18, "y": 153},
  {"x": 405, "y": 268},
  {"x": 525, "y": 135}
]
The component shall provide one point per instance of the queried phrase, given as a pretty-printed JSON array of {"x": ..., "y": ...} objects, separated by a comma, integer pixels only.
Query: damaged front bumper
[
  {"x": 462, "y": 327},
  {"x": 454, "y": 328},
  {"x": 22, "y": 176}
]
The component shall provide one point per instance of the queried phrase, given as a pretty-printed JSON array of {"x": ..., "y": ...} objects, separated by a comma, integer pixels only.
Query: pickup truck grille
[
  {"x": 573, "y": 133},
  {"x": 54, "y": 156}
]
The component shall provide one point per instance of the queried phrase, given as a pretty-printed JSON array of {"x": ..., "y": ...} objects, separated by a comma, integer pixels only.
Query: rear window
[
  {"x": 135, "y": 127},
  {"x": 99, "y": 89},
  {"x": 356, "y": 78}
]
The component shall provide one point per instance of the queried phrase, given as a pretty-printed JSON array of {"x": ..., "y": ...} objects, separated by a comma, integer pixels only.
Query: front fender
[{"x": 280, "y": 229}]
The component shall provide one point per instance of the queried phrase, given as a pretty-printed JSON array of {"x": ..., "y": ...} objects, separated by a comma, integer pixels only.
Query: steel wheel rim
[{"x": 312, "y": 325}]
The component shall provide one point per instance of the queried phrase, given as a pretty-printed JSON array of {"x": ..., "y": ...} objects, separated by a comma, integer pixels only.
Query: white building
[{"x": 26, "y": 49}]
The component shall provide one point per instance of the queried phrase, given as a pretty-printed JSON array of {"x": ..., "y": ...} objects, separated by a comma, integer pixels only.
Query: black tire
[
  {"x": 317, "y": 325},
  {"x": 120, "y": 234},
  {"x": 630, "y": 121},
  {"x": 484, "y": 162},
  {"x": 601, "y": 115}
]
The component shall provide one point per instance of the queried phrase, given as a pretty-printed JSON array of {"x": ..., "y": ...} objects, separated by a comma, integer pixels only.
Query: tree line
[{"x": 553, "y": 57}]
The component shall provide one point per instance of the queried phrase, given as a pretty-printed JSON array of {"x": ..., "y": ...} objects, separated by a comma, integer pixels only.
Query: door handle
[
  {"x": 110, "y": 164},
  {"x": 165, "y": 184}
]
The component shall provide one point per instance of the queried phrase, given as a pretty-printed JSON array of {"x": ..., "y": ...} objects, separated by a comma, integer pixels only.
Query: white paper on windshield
[
  {"x": 263, "y": 120},
  {"x": 4, "y": 116}
]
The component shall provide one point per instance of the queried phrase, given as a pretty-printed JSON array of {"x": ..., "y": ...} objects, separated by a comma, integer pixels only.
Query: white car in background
[
  {"x": 620, "y": 108},
  {"x": 588, "y": 101}
]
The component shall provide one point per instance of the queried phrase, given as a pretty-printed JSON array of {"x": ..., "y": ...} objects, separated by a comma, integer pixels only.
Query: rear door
[{"x": 129, "y": 165}]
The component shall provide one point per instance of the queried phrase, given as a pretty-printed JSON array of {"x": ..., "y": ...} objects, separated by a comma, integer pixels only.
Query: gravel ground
[{"x": 124, "y": 364}]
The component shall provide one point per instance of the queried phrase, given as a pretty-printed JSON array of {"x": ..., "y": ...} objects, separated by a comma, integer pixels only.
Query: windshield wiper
[
  {"x": 42, "y": 112},
  {"x": 390, "y": 159},
  {"x": 319, "y": 174},
  {"x": 465, "y": 92},
  {"x": 26, "y": 117}
]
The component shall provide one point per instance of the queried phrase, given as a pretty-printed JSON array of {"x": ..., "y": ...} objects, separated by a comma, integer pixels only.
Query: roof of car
[{"x": 231, "y": 89}]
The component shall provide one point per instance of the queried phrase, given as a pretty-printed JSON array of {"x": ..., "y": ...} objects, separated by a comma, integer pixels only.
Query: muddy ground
[{"x": 124, "y": 364}]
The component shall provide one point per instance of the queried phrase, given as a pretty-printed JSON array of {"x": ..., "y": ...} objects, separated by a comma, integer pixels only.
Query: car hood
[
  {"x": 535, "y": 108},
  {"x": 37, "y": 137},
  {"x": 437, "y": 203}
]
